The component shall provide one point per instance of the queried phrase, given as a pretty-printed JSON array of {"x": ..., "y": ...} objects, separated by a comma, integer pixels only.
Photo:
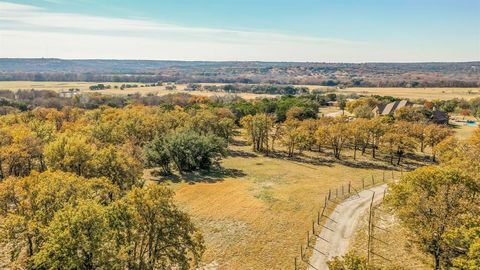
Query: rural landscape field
[{"x": 239, "y": 135}]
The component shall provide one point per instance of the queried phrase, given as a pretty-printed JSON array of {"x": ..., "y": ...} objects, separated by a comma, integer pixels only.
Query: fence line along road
[{"x": 334, "y": 236}]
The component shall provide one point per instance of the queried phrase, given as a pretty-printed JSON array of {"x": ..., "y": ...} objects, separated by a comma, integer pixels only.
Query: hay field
[
  {"x": 412, "y": 93},
  {"x": 84, "y": 87},
  {"x": 417, "y": 93},
  {"x": 256, "y": 213}
]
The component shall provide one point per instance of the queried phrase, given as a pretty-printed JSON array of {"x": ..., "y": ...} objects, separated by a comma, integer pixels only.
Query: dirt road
[{"x": 335, "y": 236}]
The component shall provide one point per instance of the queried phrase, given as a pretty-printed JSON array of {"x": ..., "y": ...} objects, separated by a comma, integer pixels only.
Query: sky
[{"x": 243, "y": 30}]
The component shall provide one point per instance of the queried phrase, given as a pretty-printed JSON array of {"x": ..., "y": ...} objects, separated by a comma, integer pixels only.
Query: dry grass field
[
  {"x": 417, "y": 93},
  {"x": 463, "y": 132},
  {"x": 390, "y": 243},
  {"x": 255, "y": 213},
  {"x": 84, "y": 87},
  {"x": 412, "y": 93}
]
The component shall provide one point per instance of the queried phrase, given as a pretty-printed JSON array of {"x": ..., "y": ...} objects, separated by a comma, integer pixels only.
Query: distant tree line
[{"x": 338, "y": 75}]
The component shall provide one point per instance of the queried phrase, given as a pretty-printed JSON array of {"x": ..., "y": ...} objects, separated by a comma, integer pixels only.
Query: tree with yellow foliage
[
  {"x": 70, "y": 152},
  {"x": 432, "y": 202},
  {"x": 291, "y": 135},
  {"x": 258, "y": 130}
]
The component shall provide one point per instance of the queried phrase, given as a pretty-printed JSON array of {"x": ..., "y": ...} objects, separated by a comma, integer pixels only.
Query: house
[
  {"x": 439, "y": 117},
  {"x": 390, "y": 108}
]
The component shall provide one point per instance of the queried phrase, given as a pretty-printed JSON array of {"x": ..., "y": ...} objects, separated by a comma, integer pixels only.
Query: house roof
[
  {"x": 391, "y": 107},
  {"x": 439, "y": 116}
]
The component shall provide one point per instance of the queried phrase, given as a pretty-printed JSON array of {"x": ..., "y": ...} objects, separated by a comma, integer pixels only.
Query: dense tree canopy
[{"x": 439, "y": 205}]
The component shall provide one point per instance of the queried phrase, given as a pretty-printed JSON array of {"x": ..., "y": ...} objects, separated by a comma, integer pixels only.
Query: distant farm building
[{"x": 390, "y": 108}]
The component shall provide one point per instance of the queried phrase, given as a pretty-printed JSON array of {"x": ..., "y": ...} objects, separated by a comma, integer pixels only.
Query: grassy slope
[{"x": 256, "y": 214}]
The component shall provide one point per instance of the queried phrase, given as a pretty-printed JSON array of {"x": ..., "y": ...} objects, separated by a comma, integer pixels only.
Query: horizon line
[{"x": 235, "y": 61}]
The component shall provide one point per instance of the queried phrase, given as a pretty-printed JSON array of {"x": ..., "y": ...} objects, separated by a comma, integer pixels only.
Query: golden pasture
[
  {"x": 256, "y": 213},
  {"x": 411, "y": 93}
]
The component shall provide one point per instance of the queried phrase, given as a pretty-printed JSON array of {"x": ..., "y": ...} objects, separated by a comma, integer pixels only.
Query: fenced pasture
[
  {"x": 255, "y": 213},
  {"x": 389, "y": 243},
  {"x": 328, "y": 234}
]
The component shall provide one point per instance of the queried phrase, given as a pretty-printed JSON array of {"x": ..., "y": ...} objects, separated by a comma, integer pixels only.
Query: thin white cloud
[
  {"x": 31, "y": 31},
  {"x": 25, "y": 16}
]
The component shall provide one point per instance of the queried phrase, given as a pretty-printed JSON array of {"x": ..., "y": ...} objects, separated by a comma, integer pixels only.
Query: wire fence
[{"x": 331, "y": 200}]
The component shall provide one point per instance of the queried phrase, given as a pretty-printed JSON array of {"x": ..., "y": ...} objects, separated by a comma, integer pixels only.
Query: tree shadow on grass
[
  {"x": 330, "y": 161},
  {"x": 214, "y": 175},
  {"x": 239, "y": 153},
  {"x": 365, "y": 164},
  {"x": 237, "y": 142},
  {"x": 300, "y": 158}
]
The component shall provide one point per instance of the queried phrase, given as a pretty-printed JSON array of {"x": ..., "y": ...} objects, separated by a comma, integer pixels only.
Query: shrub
[{"x": 187, "y": 151}]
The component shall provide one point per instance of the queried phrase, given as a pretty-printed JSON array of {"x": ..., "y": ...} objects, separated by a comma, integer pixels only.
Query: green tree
[
  {"x": 351, "y": 261},
  {"x": 398, "y": 141},
  {"x": 377, "y": 129},
  {"x": 434, "y": 134},
  {"x": 258, "y": 130},
  {"x": 430, "y": 202},
  {"x": 464, "y": 242},
  {"x": 335, "y": 135},
  {"x": 151, "y": 233},
  {"x": 20, "y": 151},
  {"x": 115, "y": 163},
  {"x": 358, "y": 134},
  {"x": 157, "y": 154},
  {"x": 363, "y": 111},
  {"x": 27, "y": 205},
  {"x": 410, "y": 114},
  {"x": 78, "y": 237},
  {"x": 291, "y": 135},
  {"x": 70, "y": 152},
  {"x": 188, "y": 151}
]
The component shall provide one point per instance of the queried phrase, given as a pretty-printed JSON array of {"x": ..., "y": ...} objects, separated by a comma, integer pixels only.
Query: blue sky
[{"x": 268, "y": 30}]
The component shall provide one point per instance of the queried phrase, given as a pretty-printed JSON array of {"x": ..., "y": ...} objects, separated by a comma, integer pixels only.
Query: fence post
[
  {"x": 349, "y": 186},
  {"x": 342, "y": 191},
  {"x": 363, "y": 183},
  {"x": 329, "y": 194},
  {"x": 336, "y": 193},
  {"x": 370, "y": 230},
  {"x": 393, "y": 178},
  {"x": 383, "y": 179},
  {"x": 313, "y": 227},
  {"x": 296, "y": 263},
  {"x": 373, "y": 180},
  {"x": 318, "y": 217},
  {"x": 308, "y": 239},
  {"x": 301, "y": 252}
]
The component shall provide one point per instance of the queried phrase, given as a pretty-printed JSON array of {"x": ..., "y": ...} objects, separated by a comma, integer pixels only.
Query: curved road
[{"x": 336, "y": 234}]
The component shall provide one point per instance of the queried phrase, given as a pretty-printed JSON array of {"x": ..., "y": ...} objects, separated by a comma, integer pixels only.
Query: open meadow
[
  {"x": 84, "y": 87},
  {"x": 416, "y": 93},
  {"x": 239, "y": 135},
  {"x": 410, "y": 93},
  {"x": 255, "y": 213}
]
